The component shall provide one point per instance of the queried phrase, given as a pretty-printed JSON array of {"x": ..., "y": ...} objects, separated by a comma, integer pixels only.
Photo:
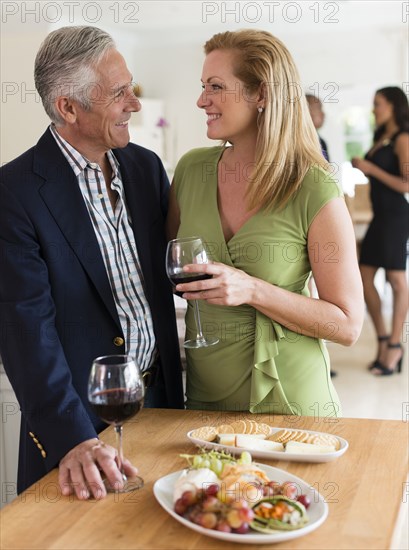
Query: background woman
[
  {"x": 384, "y": 245},
  {"x": 270, "y": 213}
]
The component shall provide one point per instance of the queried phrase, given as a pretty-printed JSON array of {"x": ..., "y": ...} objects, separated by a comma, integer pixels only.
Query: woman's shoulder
[
  {"x": 401, "y": 137},
  {"x": 319, "y": 180},
  {"x": 317, "y": 188},
  {"x": 196, "y": 167}
]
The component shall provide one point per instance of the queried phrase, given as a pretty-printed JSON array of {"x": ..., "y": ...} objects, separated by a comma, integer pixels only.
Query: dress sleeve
[{"x": 317, "y": 189}]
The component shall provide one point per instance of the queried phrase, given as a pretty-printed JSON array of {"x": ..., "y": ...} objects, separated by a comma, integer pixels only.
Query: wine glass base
[
  {"x": 130, "y": 484},
  {"x": 206, "y": 342}
]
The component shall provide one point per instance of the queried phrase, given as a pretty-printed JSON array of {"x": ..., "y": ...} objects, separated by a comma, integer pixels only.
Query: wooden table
[{"x": 364, "y": 489}]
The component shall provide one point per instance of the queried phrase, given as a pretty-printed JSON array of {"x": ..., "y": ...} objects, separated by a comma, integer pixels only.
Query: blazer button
[{"x": 118, "y": 341}]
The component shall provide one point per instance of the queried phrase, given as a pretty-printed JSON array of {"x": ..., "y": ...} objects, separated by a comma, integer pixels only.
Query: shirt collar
[{"x": 77, "y": 161}]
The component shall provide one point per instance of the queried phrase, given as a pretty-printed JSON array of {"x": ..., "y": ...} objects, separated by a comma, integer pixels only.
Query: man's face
[
  {"x": 316, "y": 112},
  {"x": 105, "y": 125}
]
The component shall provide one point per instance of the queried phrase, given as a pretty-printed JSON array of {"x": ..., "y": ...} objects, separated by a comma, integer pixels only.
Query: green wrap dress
[{"x": 259, "y": 365}]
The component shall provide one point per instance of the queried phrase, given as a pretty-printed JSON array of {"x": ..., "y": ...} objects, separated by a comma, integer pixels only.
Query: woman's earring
[{"x": 260, "y": 109}]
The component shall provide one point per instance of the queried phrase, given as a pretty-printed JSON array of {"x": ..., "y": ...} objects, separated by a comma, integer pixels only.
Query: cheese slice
[
  {"x": 227, "y": 439},
  {"x": 296, "y": 447},
  {"x": 257, "y": 444},
  {"x": 230, "y": 440}
]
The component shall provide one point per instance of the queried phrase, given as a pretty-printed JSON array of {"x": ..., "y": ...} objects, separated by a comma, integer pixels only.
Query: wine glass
[
  {"x": 115, "y": 393},
  {"x": 180, "y": 252}
]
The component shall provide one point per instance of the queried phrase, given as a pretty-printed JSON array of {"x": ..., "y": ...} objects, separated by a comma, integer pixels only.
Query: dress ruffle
[{"x": 267, "y": 394}]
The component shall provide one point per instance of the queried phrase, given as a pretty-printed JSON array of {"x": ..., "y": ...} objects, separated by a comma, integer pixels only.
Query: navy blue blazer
[{"x": 57, "y": 311}]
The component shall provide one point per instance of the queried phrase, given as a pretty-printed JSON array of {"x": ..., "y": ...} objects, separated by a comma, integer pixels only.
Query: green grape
[
  {"x": 197, "y": 462},
  {"x": 216, "y": 465},
  {"x": 216, "y": 460},
  {"x": 245, "y": 458}
]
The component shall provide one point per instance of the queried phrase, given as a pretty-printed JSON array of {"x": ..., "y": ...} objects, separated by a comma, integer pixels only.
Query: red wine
[
  {"x": 182, "y": 277},
  {"x": 116, "y": 405}
]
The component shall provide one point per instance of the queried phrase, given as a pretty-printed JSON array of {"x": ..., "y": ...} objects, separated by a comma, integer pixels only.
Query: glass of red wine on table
[
  {"x": 115, "y": 393},
  {"x": 181, "y": 252}
]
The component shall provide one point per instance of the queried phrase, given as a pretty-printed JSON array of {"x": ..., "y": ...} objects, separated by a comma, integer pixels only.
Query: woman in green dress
[{"x": 271, "y": 215}]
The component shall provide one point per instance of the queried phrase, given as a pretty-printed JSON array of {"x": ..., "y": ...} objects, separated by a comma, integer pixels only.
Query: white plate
[
  {"x": 317, "y": 512},
  {"x": 275, "y": 455}
]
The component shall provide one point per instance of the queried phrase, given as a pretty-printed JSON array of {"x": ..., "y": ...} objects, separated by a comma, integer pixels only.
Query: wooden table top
[{"x": 364, "y": 490}]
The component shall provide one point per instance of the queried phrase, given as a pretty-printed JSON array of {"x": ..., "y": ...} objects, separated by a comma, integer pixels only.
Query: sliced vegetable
[{"x": 278, "y": 513}]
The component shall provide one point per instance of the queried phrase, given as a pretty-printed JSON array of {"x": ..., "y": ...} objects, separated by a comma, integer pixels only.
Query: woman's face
[
  {"x": 382, "y": 109},
  {"x": 231, "y": 112}
]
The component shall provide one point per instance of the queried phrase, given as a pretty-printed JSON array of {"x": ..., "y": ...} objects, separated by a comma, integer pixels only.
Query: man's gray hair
[{"x": 65, "y": 65}]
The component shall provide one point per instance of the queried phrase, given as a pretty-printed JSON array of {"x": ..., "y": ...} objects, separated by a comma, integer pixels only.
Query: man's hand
[{"x": 82, "y": 469}]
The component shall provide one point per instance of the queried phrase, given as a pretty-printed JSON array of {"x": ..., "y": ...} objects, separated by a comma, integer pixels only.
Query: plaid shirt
[{"x": 113, "y": 230}]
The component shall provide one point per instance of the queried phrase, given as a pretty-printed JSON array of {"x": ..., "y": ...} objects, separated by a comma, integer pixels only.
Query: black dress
[{"x": 385, "y": 242}]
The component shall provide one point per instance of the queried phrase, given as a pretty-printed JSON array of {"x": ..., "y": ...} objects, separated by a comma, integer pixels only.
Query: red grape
[
  {"x": 189, "y": 498},
  {"x": 243, "y": 529},
  {"x": 246, "y": 515},
  {"x": 305, "y": 500},
  {"x": 208, "y": 520},
  {"x": 180, "y": 507},
  {"x": 211, "y": 504},
  {"x": 211, "y": 489},
  {"x": 234, "y": 519},
  {"x": 290, "y": 490},
  {"x": 239, "y": 504},
  {"x": 222, "y": 525}
]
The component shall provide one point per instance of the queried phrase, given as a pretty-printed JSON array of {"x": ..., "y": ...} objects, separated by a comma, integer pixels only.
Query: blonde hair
[{"x": 287, "y": 144}]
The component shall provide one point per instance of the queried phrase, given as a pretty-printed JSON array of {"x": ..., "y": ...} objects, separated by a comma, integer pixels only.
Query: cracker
[
  {"x": 249, "y": 426},
  {"x": 283, "y": 436},
  {"x": 279, "y": 436},
  {"x": 225, "y": 429},
  {"x": 263, "y": 428},
  {"x": 205, "y": 433},
  {"x": 239, "y": 426},
  {"x": 327, "y": 439},
  {"x": 300, "y": 436}
]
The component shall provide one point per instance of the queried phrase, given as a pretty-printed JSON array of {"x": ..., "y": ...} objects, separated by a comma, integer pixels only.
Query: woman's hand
[
  {"x": 228, "y": 286},
  {"x": 80, "y": 469},
  {"x": 364, "y": 165}
]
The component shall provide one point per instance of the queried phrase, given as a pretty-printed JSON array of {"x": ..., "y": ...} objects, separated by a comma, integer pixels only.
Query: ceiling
[
  {"x": 193, "y": 20},
  {"x": 184, "y": 20}
]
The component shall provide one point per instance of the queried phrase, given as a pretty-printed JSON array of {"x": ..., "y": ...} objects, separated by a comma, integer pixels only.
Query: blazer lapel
[{"x": 64, "y": 200}]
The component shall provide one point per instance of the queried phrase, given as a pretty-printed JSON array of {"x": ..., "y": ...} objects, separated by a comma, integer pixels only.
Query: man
[
  {"x": 82, "y": 251},
  {"x": 318, "y": 117}
]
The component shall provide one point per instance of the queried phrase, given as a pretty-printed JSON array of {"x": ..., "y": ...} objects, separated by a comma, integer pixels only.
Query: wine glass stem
[
  {"x": 118, "y": 431},
  {"x": 199, "y": 333}
]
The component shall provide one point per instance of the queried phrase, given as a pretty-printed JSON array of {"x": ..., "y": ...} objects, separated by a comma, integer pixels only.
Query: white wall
[
  {"x": 22, "y": 115},
  {"x": 366, "y": 49},
  {"x": 345, "y": 68}
]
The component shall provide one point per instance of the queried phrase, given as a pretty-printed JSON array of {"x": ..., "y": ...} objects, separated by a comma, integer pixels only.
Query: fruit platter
[{"x": 239, "y": 500}]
